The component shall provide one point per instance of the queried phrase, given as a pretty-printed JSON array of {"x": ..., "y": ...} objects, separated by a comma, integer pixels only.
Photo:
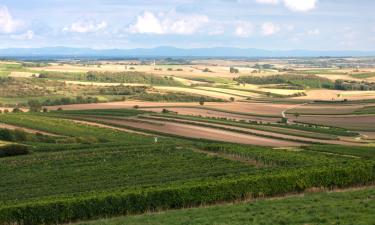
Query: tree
[
  {"x": 16, "y": 110},
  {"x": 201, "y": 102},
  {"x": 35, "y": 105},
  {"x": 296, "y": 115},
  {"x": 233, "y": 70},
  {"x": 284, "y": 120},
  {"x": 231, "y": 99}
]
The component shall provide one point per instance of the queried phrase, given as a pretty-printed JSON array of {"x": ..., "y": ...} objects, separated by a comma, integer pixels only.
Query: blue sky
[{"x": 265, "y": 24}]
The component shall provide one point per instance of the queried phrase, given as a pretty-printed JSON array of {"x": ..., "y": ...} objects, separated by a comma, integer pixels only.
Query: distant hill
[{"x": 173, "y": 52}]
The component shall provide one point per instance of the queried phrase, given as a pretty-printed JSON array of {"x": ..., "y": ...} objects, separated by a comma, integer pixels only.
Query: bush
[
  {"x": 188, "y": 195},
  {"x": 13, "y": 150}
]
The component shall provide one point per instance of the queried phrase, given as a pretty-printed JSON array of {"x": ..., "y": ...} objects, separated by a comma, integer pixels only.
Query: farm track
[
  {"x": 258, "y": 132},
  {"x": 200, "y": 132}
]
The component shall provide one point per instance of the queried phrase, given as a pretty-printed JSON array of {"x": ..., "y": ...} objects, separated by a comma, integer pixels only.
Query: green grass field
[{"x": 350, "y": 207}]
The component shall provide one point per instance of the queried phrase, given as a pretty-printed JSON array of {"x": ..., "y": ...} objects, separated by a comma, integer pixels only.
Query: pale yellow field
[
  {"x": 225, "y": 96},
  {"x": 22, "y": 74},
  {"x": 231, "y": 92},
  {"x": 333, "y": 95}
]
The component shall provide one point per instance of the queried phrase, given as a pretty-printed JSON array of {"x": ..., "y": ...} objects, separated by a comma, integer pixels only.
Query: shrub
[{"x": 13, "y": 150}]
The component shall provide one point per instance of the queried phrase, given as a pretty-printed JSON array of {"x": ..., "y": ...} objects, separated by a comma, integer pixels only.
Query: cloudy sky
[{"x": 266, "y": 24}]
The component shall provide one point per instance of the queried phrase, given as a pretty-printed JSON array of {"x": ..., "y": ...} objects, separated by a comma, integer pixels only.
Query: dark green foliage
[
  {"x": 119, "y": 77},
  {"x": 69, "y": 100},
  {"x": 233, "y": 70},
  {"x": 302, "y": 81},
  {"x": 13, "y": 150},
  {"x": 354, "y": 85},
  {"x": 123, "y": 90},
  {"x": 348, "y": 207},
  {"x": 103, "y": 112},
  {"x": 35, "y": 105},
  {"x": 176, "y": 97},
  {"x": 105, "y": 205}
]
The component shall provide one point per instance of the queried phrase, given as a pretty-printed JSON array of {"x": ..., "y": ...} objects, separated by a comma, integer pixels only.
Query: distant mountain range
[{"x": 173, "y": 52}]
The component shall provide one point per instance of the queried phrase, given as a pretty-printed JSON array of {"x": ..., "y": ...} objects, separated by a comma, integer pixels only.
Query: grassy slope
[{"x": 352, "y": 207}]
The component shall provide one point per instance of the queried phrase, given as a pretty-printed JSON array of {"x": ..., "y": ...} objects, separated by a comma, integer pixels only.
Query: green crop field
[
  {"x": 87, "y": 172},
  {"x": 351, "y": 207}
]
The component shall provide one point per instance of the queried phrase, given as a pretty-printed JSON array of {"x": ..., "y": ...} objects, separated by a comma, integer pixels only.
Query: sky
[{"x": 262, "y": 24}]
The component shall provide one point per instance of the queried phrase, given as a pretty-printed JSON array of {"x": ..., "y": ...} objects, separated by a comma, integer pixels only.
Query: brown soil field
[
  {"x": 212, "y": 113},
  {"x": 273, "y": 134},
  {"x": 193, "y": 131},
  {"x": 128, "y": 104},
  {"x": 327, "y": 108},
  {"x": 241, "y": 107},
  {"x": 368, "y": 135},
  {"x": 256, "y": 108},
  {"x": 356, "y": 122}
]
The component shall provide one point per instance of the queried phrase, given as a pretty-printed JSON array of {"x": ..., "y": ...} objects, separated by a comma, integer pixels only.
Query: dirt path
[
  {"x": 199, "y": 132},
  {"x": 28, "y": 130},
  {"x": 109, "y": 127},
  {"x": 265, "y": 133}
]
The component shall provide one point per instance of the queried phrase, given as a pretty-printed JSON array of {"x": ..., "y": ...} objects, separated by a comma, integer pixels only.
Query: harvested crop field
[
  {"x": 213, "y": 114},
  {"x": 193, "y": 131},
  {"x": 125, "y": 104},
  {"x": 357, "y": 122},
  {"x": 325, "y": 109},
  {"x": 337, "y": 95},
  {"x": 264, "y": 108},
  {"x": 267, "y": 109}
]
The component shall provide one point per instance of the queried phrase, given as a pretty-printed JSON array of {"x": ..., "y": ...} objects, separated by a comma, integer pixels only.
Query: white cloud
[
  {"x": 7, "y": 23},
  {"x": 301, "y": 5},
  {"x": 168, "y": 23},
  {"x": 28, "y": 35},
  {"x": 313, "y": 32},
  {"x": 86, "y": 26},
  {"x": 294, "y": 5},
  {"x": 269, "y": 29},
  {"x": 271, "y": 2},
  {"x": 244, "y": 29}
]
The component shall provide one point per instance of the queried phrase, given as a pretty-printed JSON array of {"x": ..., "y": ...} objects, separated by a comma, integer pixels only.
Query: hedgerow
[{"x": 111, "y": 204}]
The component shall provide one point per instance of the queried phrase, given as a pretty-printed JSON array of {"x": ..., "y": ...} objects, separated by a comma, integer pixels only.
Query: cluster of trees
[
  {"x": 123, "y": 90},
  {"x": 36, "y": 105},
  {"x": 34, "y": 64},
  {"x": 176, "y": 97},
  {"x": 18, "y": 135},
  {"x": 354, "y": 85},
  {"x": 233, "y": 70},
  {"x": 306, "y": 81},
  {"x": 13, "y": 150},
  {"x": 130, "y": 77}
]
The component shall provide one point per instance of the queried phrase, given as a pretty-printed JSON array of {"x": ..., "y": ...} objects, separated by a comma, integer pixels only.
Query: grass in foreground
[{"x": 352, "y": 207}]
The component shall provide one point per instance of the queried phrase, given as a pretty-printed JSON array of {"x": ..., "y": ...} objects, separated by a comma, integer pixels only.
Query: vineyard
[{"x": 85, "y": 172}]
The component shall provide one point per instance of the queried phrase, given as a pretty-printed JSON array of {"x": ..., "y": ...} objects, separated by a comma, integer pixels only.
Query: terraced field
[{"x": 89, "y": 171}]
